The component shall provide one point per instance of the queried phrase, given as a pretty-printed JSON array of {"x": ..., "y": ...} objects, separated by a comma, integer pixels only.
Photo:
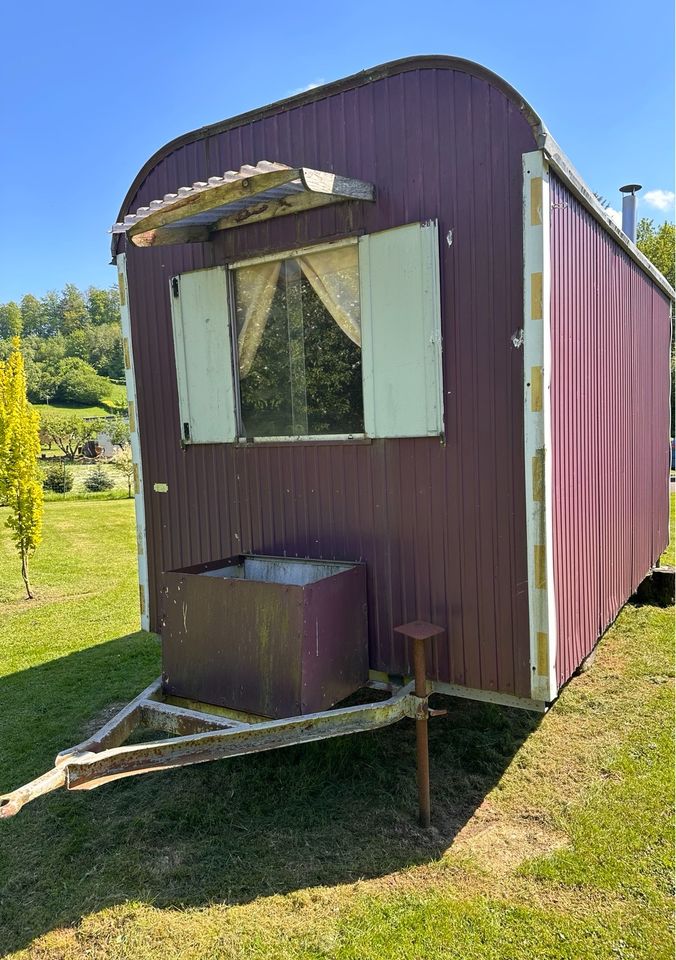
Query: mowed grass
[
  {"x": 115, "y": 397},
  {"x": 552, "y": 838},
  {"x": 79, "y": 472}
]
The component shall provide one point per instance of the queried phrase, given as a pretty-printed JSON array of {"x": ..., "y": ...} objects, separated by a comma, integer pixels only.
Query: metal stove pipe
[{"x": 629, "y": 203}]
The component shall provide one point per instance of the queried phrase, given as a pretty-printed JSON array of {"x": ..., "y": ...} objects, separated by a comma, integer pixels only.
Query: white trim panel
[
  {"x": 402, "y": 371},
  {"x": 130, "y": 380},
  {"x": 537, "y": 425}
]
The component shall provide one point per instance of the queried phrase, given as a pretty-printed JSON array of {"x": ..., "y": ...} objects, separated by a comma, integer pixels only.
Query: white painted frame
[
  {"x": 301, "y": 438},
  {"x": 241, "y": 439},
  {"x": 294, "y": 252},
  {"x": 537, "y": 426},
  {"x": 130, "y": 380}
]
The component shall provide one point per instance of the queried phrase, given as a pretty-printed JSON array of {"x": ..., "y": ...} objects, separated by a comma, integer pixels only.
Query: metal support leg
[
  {"x": 419, "y": 632},
  {"x": 422, "y": 745}
]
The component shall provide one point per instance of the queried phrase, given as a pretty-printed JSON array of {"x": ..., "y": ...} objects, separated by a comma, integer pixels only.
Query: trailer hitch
[{"x": 196, "y": 736}]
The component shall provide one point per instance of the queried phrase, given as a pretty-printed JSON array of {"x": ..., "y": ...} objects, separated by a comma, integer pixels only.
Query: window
[
  {"x": 342, "y": 340},
  {"x": 298, "y": 324}
]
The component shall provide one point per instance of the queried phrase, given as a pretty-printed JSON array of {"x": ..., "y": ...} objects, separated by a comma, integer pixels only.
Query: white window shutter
[
  {"x": 203, "y": 349},
  {"x": 401, "y": 332}
]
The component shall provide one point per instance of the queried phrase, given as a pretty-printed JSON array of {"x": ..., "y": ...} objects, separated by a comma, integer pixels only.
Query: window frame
[{"x": 232, "y": 306}]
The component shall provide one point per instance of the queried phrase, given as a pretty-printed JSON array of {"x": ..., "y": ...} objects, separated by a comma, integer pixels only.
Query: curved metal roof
[{"x": 543, "y": 139}]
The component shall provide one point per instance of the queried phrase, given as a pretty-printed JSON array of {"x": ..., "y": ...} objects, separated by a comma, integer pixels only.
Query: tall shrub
[{"x": 20, "y": 487}]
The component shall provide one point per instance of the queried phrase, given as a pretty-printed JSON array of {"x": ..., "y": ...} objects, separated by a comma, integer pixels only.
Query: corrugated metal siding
[
  {"x": 610, "y": 426},
  {"x": 441, "y": 527}
]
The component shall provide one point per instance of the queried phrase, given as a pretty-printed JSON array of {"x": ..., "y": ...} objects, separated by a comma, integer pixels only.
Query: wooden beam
[
  {"x": 162, "y": 236},
  {"x": 263, "y": 210},
  {"x": 279, "y": 207},
  {"x": 320, "y": 189},
  {"x": 320, "y": 182},
  {"x": 212, "y": 197}
]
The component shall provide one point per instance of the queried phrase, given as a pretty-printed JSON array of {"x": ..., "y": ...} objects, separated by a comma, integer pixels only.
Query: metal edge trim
[
  {"x": 537, "y": 428},
  {"x": 572, "y": 179},
  {"x": 139, "y": 502}
]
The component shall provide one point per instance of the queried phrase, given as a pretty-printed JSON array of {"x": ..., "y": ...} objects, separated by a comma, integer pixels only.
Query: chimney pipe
[{"x": 629, "y": 209}]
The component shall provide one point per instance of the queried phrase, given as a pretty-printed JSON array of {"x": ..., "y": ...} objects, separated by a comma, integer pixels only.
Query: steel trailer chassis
[{"x": 197, "y": 736}]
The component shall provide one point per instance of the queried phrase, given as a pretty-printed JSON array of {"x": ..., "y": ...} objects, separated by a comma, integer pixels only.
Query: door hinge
[
  {"x": 174, "y": 286},
  {"x": 186, "y": 432}
]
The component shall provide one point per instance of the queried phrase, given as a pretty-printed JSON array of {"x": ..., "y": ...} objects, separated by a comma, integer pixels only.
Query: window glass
[{"x": 299, "y": 345}]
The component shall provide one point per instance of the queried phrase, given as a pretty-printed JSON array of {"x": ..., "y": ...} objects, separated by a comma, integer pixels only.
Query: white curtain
[
  {"x": 256, "y": 287},
  {"x": 332, "y": 274},
  {"x": 334, "y": 277}
]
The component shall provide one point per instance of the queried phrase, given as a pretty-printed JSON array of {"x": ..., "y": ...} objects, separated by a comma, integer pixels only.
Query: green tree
[
  {"x": 106, "y": 350},
  {"x": 78, "y": 343},
  {"x": 32, "y": 316},
  {"x": 10, "y": 320},
  {"x": 124, "y": 464},
  {"x": 103, "y": 306},
  {"x": 101, "y": 346},
  {"x": 20, "y": 486},
  {"x": 73, "y": 309},
  {"x": 50, "y": 349},
  {"x": 118, "y": 431},
  {"x": 68, "y": 431},
  {"x": 79, "y": 382},
  {"x": 43, "y": 383},
  {"x": 51, "y": 310},
  {"x": 657, "y": 243}
]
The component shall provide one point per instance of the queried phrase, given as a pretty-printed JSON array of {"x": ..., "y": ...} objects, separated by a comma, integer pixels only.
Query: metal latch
[{"x": 174, "y": 286}]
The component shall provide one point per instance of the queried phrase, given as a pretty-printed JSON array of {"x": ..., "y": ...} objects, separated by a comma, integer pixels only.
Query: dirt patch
[
  {"x": 166, "y": 861},
  {"x": 502, "y": 843},
  {"x": 100, "y": 719},
  {"x": 43, "y": 595}
]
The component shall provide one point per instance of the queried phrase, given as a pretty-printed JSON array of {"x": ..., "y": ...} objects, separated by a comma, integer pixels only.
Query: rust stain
[
  {"x": 538, "y": 466},
  {"x": 536, "y": 201},
  {"x": 543, "y": 654},
  {"x": 540, "y": 564},
  {"x": 122, "y": 287},
  {"x": 536, "y": 389},
  {"x": 536, "y": 304}
]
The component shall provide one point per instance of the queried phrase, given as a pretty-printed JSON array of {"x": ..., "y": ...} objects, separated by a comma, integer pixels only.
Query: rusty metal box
[{"x": 271, "y": 636}]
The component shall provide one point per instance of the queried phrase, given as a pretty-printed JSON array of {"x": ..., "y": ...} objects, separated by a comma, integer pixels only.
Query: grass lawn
[
  {"x": 80, "y": 472},
  {"x": 552, "y": 838},
  {"x": 116, "y": 396}
]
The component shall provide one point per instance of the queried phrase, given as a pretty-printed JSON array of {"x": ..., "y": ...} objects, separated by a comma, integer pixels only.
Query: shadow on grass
[{"x": 230, "y": 831}]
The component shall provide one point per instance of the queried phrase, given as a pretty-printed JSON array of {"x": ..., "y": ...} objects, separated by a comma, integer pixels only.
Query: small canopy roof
[{"x": 247, "y": 195}]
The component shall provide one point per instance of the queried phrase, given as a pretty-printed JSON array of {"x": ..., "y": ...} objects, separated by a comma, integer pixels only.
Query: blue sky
[{"x": 92, "y": 89}]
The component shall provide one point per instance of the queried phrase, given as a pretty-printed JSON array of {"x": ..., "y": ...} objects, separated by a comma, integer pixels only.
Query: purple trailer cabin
[
  {"x": 394, "y": 377},
  {"x": 400, "y": 331}
]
